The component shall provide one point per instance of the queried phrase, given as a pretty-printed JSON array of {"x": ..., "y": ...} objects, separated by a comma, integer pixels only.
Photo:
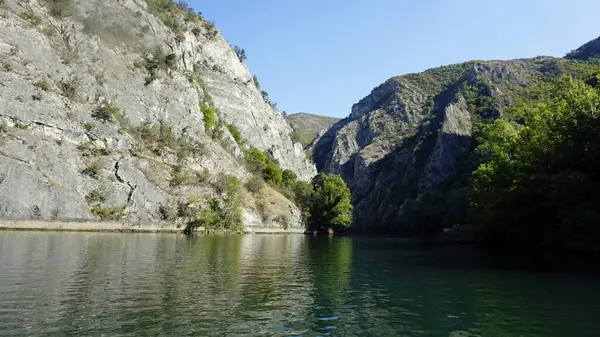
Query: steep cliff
[
  {"x": 405, "y": 148},
  {"x": 116, "y": 109}
]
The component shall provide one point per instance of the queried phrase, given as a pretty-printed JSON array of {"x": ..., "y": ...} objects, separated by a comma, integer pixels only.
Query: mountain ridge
[{"x": 404, "y": 148}]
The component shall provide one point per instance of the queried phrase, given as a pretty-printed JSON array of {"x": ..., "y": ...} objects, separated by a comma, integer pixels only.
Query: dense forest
[{"x": 539, "y": 182}]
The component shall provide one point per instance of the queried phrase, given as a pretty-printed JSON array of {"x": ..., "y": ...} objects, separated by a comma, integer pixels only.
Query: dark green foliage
[
  {"x": 539, "y": 183},
  {"x": 241, "y": 53},
  {"x": 330, "y": 207},
  {"x": 108, "y": 112},
  {"x": 262, "y": 164},
  {"x": 237, "y": 135},
  {"x": 156, "y": 62},
  {"x": 289, "y": 177}
]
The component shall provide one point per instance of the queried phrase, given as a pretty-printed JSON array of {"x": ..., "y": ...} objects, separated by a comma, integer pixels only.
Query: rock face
[
  {"x": 100, "y": 104},
  {"x": 309, "y": 126},
  {"x": 409, "y": 140}
]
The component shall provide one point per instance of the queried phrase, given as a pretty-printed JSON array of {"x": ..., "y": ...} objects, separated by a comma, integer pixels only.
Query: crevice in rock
[
  {"x": 120, "y": 179},
  {"x": 14, "y": 158}
]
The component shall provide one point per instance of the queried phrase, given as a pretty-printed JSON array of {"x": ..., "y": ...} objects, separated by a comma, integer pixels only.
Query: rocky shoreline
[{"x": 117, "y": 227}]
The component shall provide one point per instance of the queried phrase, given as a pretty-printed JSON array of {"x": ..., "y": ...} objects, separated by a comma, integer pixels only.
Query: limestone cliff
[{"x": 103, "y": 107}]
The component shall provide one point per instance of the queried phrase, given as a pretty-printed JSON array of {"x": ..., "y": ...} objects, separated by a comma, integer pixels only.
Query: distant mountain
[
  {"x": 307, "y": 126},
  {"x": 587, "y": 51}
]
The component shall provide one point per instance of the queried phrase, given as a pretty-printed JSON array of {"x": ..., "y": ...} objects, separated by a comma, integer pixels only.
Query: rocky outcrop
[
  {"x": 408, "y": 142},
  {"x": 100, "y": 112}
]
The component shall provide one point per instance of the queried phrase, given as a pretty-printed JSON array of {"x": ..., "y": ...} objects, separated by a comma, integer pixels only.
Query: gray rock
[{"x": 54, "y": 75}]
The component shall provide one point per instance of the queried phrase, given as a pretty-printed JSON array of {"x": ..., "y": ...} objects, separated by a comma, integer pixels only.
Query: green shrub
[
  {"x": 241, "y": 53},
  {"x": 210, "y": 28},
  {"x": 160, "y": 137},
  {"x": 260, "y": 163},
  {"x": 2, "y": 176},
  {"x": 237, "y": 135},
  {"x": 69, "y": 89},
  {"x": 272, "y": 173},
  {"x": 88, "y": 127},
  {"x": 229, "y": 185},
  {"x": 210, "y": 117},
  {"x": 256, "y": 82},
  {"x": 255, "y": 184},
  {"x": 42, "y": 85},
  {"x": 156, "y": 62},
  {"x": 94, "y": 169},
  {"x": 109, "y": 213},
  {"x": 96, "y": 196},
  {"x": 108, "y": 112}
]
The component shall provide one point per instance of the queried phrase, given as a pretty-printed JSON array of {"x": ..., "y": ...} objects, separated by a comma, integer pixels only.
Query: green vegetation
[
  {"x": 160, "y": 139},
  {"x": 264, "y": 165},
  {"x": 538, "y": 183},
  {"x": 69, "y": 88},
  {"x": 256, "y": 82},
  {"x": 2, "y": 176},
  {"x": 108, "y": 112},
  {"x": 94, "y": 169},
  {"x": 330, "y": 205},
  {"x": 237, "y": 135},
  {"x": 241, "y": 53},
  {"x": 156, "y": 62},
  {"x": 215, "y": 214},
  {"x": 42, "y": 85},
  {"x": 210, "y": 117},
  {"x": 96, "y": 198}
]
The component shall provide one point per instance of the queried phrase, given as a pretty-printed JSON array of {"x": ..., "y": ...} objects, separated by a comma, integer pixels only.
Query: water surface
[{"x": 95, "y": 284}]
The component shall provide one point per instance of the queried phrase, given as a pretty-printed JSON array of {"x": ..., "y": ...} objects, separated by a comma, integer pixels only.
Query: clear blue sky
[{"x": 322, "y": 56}]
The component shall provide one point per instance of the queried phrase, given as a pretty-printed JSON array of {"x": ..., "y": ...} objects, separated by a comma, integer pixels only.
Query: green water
[{"x": 88, "y": 284}]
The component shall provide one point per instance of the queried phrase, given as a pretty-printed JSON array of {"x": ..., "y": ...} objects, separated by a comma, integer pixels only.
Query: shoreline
[{"x": 117, "y": 227}]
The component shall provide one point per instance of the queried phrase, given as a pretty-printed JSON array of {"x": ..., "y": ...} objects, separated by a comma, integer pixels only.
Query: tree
[
  {"x": 241, "y": 53},
  {"x": 330, "y": 206},
  {"x": 538, "y": 184}
]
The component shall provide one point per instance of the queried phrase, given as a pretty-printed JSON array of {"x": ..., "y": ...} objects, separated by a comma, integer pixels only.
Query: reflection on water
[{"x": 171, "y": 285}]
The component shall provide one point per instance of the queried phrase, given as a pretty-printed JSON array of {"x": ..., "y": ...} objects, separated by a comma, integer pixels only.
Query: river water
[{"x": 100, "y": 284}]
